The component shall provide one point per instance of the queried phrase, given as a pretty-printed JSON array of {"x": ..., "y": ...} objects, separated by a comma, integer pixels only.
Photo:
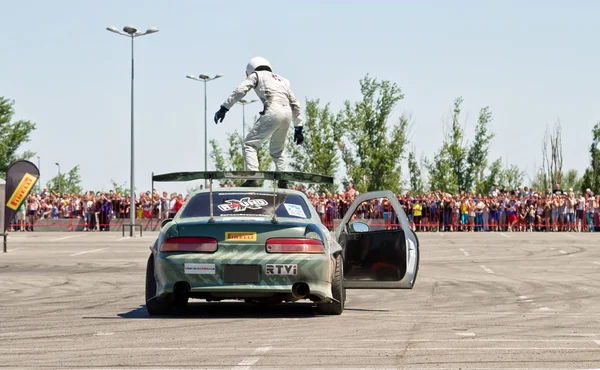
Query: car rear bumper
[{"x": 275, "y": 274}]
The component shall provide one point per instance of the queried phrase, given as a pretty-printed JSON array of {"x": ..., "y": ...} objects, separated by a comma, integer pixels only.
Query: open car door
[{"x": 378, "y": 253}]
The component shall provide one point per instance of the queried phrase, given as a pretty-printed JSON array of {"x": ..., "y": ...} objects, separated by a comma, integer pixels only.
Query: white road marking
[
  {"x": 465, "y": 252},
  {"x": 68, "y": 237},
  {"x": 449, "y": 340},
  {"x": 522, "y": 297},
  {"x": 327, "y": 349},
  {"x": 124, "y": 238},
  {"x": 544, "y": 309},
  {"x": 527, "y": 300},
  {"x": 102, "y": 334},
  {"x": 247, "y": 362},
  {"x": 486, "y": 269},
  {"x": 92, "y": 251},
  {"x": 596, "y": 263},
  {"x": 504, "y": 235},
  {"x": 562, "y": 252},
  {"x": 466, "y": 334},
  {"x": 570, "y": 236},
  {"x": 597, "y": 342}
]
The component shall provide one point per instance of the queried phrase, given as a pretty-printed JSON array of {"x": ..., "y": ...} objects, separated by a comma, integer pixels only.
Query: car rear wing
[{"x": 242, "y": 175}]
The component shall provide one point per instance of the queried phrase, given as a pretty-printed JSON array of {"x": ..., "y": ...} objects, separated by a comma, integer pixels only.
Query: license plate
[{"x": 241, "y": 273}]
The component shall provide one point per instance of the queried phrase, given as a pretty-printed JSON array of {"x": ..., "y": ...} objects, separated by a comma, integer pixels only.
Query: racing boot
[
  {"x": 250, "y": 184},
  {"x": 282, "y": 184}
]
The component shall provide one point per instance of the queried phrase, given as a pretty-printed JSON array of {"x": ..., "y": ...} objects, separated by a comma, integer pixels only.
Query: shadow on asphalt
[
  {"x": 235, "y": 310},
  {"x": 230, "y": 310}
]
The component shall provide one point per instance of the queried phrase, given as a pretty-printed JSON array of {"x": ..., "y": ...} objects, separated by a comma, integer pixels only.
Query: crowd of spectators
[{"x": 521, "y": 209}]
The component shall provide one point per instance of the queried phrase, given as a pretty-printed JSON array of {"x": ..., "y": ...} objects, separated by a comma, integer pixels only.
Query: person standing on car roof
[{"x": 281, "y": 108}]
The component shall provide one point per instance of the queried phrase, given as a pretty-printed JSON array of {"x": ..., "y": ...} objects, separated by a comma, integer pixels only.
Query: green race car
[{"x": 269, "y": 246}]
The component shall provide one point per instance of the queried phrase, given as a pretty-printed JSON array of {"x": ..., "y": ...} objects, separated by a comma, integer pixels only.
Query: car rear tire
[
  {"x": 337, "y": 291},
  {"x": 153, "y": 306}
]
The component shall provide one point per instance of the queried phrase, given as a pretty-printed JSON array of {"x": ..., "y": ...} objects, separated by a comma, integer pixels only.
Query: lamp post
[
  {"x": 244, "y": 102},
  {"x": 59, "y": 187},
  {"x": 132, "y": 32},
  {"x": 205, "y": 78}
]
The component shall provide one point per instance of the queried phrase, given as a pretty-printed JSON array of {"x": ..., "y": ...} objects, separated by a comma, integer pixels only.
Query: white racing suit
[{"x": 280, "y": 108}]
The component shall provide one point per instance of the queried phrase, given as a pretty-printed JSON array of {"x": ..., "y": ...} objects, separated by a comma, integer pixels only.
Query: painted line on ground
[
  {"x": 84, "y": 252},
  {"x": 465, "y": 334},
  {"x": 326, "y": 349},
  {"x": 247, "y": 362},
  {"x": 486, "y": 269},
  {"x": 596, "y": 263},
  {"x": 504, "y": 235},
  {"x": 15, "y": 249},
  {"x": 562, "y": 252},
  {"x": 464, "y": 252},
  {"x": 124, "y": 238},
  {"x": 570, "y": 236},
  {"x": 483, "y": 340},
  {"x": 597, "y": 342},
  {"x": 68, "y": 237}
]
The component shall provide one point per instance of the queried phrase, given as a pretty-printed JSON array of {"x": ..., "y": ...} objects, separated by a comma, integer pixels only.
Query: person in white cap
[{"x": 281, "y": 108}]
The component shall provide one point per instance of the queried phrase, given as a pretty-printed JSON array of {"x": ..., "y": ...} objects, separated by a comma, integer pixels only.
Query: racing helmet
[{"x": 257, "y": 62}]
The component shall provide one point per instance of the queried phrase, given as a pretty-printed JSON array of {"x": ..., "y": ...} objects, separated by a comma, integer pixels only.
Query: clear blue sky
[{"x": 532, "y": 62}]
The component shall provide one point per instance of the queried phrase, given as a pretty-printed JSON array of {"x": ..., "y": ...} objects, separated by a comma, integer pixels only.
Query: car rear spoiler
[{"x": 242, "y": 175}]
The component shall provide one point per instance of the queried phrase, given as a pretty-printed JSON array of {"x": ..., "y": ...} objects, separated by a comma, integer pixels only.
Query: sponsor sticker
[
  {"x": 281, "y": 269},
  {"x": 199, "y": 268},
  {"x": 243, "y": 236},
  {"x": 240, "y": 205},
  {"x": 294, "y": 210},
  {"x": 22, "y": 189}
]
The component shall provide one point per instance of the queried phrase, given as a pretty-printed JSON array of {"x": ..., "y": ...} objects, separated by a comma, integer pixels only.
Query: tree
[
  {"x": 512, "y": 177},
  {"x": 551, "y": 171},
  {"x": 233, "y": 157},
  {"x": 66, "y": 183},
  {"x": 318, "y": 152},
  {"x": 457, "y": 166},
  {"x": 414, "y": 171},
  {"x": 120, "y": 189},
  {"x": 591, "y": 177},
  {"x": 478, "y": 152},
  {"x": 572, "y": 180},
  {"x": 371, "y": 151},
  {"x": 494, "y": 176},
  {"x": 12, "y": 136}
]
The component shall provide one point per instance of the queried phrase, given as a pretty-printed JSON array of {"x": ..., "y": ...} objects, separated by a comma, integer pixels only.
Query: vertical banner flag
[{"x": 20, "y": 179}]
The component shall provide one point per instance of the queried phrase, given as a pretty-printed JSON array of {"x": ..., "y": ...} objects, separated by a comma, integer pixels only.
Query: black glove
[
  {"x": 221, "y": 114},
  {"x": 298, "y": 136}
]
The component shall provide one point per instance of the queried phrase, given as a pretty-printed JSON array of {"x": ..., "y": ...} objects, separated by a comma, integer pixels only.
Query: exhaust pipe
[{"x": 300, "y": 290}]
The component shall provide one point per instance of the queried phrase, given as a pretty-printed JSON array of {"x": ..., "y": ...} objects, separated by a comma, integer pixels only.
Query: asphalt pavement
[{"x": 481, "y": 301}]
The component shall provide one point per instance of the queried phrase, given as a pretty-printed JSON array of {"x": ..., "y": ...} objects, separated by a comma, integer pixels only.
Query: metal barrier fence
[{"x": 428, "y": 222}]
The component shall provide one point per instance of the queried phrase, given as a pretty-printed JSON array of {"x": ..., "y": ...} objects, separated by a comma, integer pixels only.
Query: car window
[{"x": 229, "y": 204}]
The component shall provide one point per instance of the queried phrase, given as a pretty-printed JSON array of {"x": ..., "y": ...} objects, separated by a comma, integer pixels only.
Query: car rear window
[{"x": 228, "y": 204}]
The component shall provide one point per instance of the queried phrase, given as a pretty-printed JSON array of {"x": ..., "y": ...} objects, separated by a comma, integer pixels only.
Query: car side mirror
[
  {"x": 359, "y": 227},
  {"x": 165, "y": 221}
]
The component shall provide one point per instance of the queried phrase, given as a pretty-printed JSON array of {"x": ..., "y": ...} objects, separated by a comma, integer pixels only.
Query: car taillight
[
  {"x": 294, "y": 245},
  {"x": 189, "y": 244}
]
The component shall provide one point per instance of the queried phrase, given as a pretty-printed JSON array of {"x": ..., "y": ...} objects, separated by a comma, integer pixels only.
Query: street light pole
[
  {"x": 132, "y": 32},
  {"x": 244, "y": 102},
  {"x": 205, "y": 78}
]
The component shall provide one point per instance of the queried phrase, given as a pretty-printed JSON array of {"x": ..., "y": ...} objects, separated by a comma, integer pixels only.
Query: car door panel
[{"x": 382, "y": 257}]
